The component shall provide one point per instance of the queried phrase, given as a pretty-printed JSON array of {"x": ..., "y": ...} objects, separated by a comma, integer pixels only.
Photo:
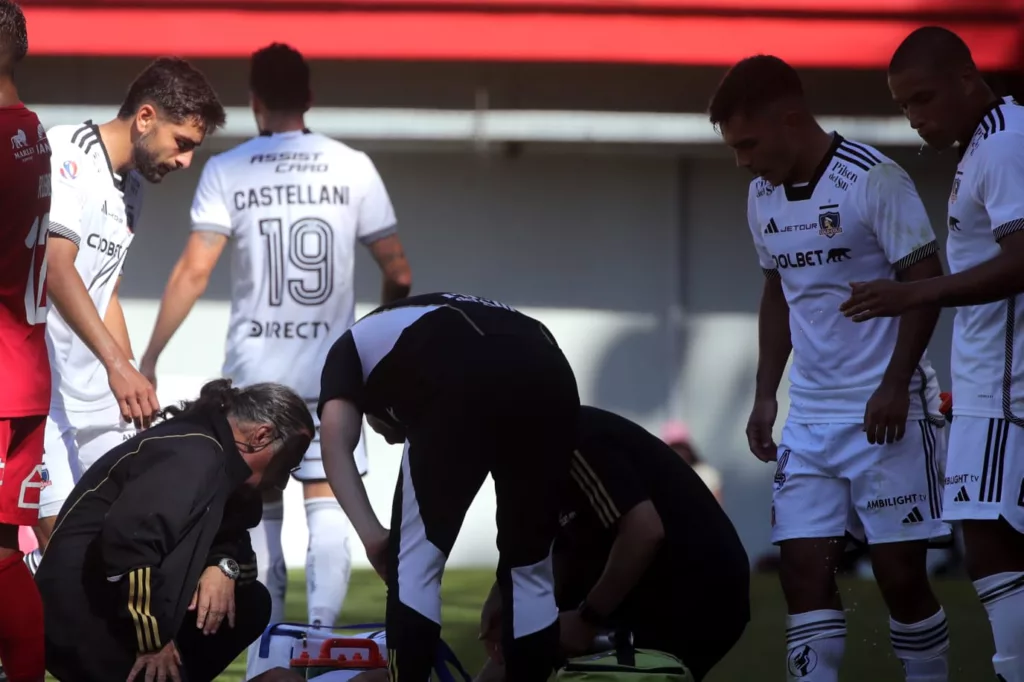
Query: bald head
[{"x": 932, "y": 47}]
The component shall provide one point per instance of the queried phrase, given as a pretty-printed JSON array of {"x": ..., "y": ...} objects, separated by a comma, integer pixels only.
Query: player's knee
[
  {"x": 901, "y": 571},
  {"x": 252, "y": 610},
  {"x": 992, "y": 547},
  {"x": 807, "y": 574}
]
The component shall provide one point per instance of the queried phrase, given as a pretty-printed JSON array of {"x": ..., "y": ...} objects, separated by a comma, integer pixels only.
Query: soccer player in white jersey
[
  {"x": 99, "y": 398},
  {"x": 293, "y": 204},
  {"x": 863, "y": 439},
  {"x": 935, "y": 81}
]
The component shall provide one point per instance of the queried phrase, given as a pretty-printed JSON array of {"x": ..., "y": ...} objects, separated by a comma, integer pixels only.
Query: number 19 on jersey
[{"x": 308, "y": 246}]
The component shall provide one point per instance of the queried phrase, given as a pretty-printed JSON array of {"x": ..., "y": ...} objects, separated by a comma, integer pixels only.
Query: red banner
[{"x": 185, "y": 30}]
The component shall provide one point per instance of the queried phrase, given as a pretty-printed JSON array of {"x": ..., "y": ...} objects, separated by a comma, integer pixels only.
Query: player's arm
[
  {"x": 620, "y": 502},
  {"x": 1002, "y": 177},
  {"x": 903, "y": 229},
  {"x": 341, "y": 423},
  {"x": 394, "y": 267},
  {"x": 145, "y": 523},
  {"x": 211, "y": 228},
  {"x": 376, "y": 230},
  {"x": 774, "y": 343},
  {"x": 70, "y": 296},
  {"x": 116, "y": 324}
]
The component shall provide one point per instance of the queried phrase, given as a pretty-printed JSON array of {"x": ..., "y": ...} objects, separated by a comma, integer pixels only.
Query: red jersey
[{"x": 24, "y": 223}]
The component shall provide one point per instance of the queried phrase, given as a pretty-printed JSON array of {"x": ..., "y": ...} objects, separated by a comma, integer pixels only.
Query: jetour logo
[{"x": 69, "y": 170}]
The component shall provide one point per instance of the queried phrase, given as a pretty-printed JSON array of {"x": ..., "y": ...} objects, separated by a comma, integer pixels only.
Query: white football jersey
[
  {"x": 294, "y": 206},
  {"x": 859, "y": 219},
  {"x": 96, "y": 209},
  {"x": 986, "y": 204}
]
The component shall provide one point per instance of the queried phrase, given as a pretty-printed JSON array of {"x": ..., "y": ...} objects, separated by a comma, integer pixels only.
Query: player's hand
[
  {"x": 134, "y": 394},
  {"x": 759, "y": 429},
  {"x": 880, "y": 298},
  {"x": 885, "y": 417},
  {"x": 377, "y": 552},
  {"x": 162, "y": 666},
  {"x": 213, "y": 600},
  {"x": 147, "y": 368},
  {"x": 577, "y": 635},
  {"x": 490, "y": 625}
]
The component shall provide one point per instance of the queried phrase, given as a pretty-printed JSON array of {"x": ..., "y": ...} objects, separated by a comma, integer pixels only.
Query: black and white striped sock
[
  {"x": 922, "y": 647},
  {"x": 815, "y": 643}
]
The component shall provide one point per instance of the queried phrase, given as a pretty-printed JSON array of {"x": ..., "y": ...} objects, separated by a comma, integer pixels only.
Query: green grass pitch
[{"x": 757, "y": 658}]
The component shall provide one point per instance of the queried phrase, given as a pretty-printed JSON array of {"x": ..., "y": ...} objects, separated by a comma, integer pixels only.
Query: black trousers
[
  {"x": 516, "y": 420},
  {"x": 203, "y": 657}
]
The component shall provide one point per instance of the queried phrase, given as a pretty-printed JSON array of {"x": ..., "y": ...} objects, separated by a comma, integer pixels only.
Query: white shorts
[
  {"x": 985, "y": 472},
  {"x": 311, "y": 470},
  {"x": 830, "y": 480},
  {"x": 73, "y": 442}
]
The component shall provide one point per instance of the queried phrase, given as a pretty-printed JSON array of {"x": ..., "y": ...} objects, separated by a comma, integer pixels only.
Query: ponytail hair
[{"x": 265, "y": 403}]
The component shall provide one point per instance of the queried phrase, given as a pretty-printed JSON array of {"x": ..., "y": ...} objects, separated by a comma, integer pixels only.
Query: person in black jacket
[
  {"x": 150, "y": 554},
  {"x": 645, "y": 547}
]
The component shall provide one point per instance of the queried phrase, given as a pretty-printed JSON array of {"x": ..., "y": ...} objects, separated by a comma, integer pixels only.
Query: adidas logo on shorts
[
  {"x": 914, "y": 516},
  {"x": 962, "y": 496}
]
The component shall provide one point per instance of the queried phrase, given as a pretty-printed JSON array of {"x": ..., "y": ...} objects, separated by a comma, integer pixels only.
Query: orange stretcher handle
[{"x": 324, "y": 660}]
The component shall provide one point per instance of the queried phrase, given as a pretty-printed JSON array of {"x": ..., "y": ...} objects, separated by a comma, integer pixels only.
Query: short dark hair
[
  {"x": 178, "y": 91},
  {"x": 931, "y": 46},
  {"x": 265, "y": 403},
  {"x": 279, "y": 77},
  {"x": 13, "y": 34},
  {"x": 752, "y": 84}
]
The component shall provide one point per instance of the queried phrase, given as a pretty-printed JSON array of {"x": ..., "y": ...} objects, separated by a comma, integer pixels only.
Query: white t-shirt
[
  {"x": 294, "y": 205},
  {"x": 97, "y": 210},
  {"x": 986, "y": 204},
  {"x": 859, "y": 219}
]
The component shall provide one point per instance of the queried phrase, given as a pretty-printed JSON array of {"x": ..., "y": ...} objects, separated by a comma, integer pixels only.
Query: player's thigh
[
  {"x": 808, "y": 500},
  {"x": 21, "y": 474},
  {"x": 985, "y": 471},
  {"x": 58, "y": 454},
  {"x": 98, "y": 433},
  {"x": 311, "y": 469},
  {"x": 896, "y": 487}
]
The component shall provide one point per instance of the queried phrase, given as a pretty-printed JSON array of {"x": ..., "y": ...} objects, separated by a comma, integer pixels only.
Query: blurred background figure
[{"x": 676, "y": 435}]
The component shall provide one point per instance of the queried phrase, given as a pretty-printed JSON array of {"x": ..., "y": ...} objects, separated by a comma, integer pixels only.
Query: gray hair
[{"x": 265, "y": 403}]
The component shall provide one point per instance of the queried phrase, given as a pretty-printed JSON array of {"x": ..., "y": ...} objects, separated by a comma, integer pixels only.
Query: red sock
[{"x": 22, "y": 651}]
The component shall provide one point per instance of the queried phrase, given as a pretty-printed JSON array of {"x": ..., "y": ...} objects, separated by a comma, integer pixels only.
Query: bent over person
[
  {"x": 150, "y": 555},
  {"x": 472, "y": 387}
]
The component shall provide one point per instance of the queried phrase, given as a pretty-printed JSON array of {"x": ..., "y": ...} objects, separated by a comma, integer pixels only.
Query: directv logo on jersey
[
  {"x": 288, "y": 330},
  {"x": 897, "y": 501}
]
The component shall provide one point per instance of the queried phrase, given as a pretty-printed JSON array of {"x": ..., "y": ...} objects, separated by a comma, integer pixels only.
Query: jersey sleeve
[
  {"x": 605, "y": 478},
  {"x": 146, "y": 522},
  {"x": 68, "y": 190},
  {"x": 376, "y": 214},
  {"x": 895, "y": 213},
  {"x": 342, "y": 376},
  {"x": 1002, "y": 177},
  {"x": 210, "y": 211},
  {"x": 764, "y": 257}
]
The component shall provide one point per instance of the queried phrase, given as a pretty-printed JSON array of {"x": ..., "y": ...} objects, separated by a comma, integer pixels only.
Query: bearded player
[{"x": 98, "y": 397}]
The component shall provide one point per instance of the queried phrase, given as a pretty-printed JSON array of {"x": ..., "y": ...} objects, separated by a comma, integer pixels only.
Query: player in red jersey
[{"x": 24, "y": 368}]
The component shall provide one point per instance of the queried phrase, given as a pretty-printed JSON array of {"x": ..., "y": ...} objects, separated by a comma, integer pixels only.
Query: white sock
[
  {"x": 271, "y": 571},
  {"x": 1002, "y": 595},
  {"x": 32, "y": 560},
  {"x": 922, "y": 647},
  {"x": 815, "y": 642},
  {"x": 328, "y": 560}
]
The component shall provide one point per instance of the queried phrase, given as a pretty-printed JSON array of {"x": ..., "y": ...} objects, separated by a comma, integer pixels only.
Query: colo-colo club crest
[{"x": 829, "y": 224}]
